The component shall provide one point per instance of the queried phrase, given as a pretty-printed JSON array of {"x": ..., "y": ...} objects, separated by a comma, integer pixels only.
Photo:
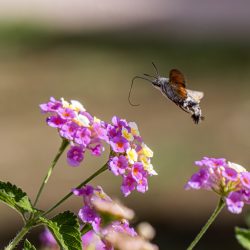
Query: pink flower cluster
[
  {"x": 76, "y": 125},
  {"x": 109, "y": 221},
  {"x": 97, "y": 204},
  {"x": 129, "y": 156},
  {"x": 109, "y": 226},
  {"x": 229, "y": 180}
]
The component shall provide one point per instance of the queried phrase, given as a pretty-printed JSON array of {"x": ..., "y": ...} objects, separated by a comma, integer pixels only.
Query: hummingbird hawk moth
[{"x": 174, "y": 87}]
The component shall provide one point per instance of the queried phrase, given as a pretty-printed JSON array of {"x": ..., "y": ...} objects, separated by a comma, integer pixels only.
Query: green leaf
[
  {"x": 15, "y": 197},
  {"x": 243, "y": 237},
  {"x": 66, "y": 230},
  {"x": 28, "y": 246}
]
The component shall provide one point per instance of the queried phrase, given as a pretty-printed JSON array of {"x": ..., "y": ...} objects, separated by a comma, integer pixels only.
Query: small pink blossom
[{"x": 75, "y": 155}]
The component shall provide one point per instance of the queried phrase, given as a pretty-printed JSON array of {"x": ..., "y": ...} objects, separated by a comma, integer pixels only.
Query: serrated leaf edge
[{"x": 49, "y": 224}]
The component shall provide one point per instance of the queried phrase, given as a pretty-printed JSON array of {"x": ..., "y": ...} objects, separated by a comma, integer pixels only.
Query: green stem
[
  {"x": 217, "y": 210},
  {"x": 85, "y": 229},
  {"x": 102, "y": 169},
  {"x": 18, "y": 238},
  {"x": 63, "y": 146}
]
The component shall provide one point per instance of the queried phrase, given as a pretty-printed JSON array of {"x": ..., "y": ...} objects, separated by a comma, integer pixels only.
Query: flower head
[
  {"x": 130, "y": 157},
  {"x": 75, "y": 155},
  {"x": 108, "y": 224},
  {"x": 99, "y": 209},
  {"x": 231, "y": 181},
  {"x": 118, "y": 164},
  {"x": 75, "y": 124},
  {"x": 113, "y": 229}
]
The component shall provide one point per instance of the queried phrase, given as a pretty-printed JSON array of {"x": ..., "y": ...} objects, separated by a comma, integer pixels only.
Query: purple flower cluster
[
  {"x": 229, "y": 180},
  {"x": 97, "y": 204},
  {"x": 109, "y": 221},
  {"x": 130, "y": 157},
  {"x": 76, "y": 125}
]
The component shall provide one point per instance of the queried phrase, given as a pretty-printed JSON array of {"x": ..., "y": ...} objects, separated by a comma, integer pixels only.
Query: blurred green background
[{"x": 93, "y": 61}]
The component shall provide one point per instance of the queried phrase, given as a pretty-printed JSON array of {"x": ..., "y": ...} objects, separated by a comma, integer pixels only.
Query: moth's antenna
[
  {"x": 156, "y": 70},
  {"x": 150, "y": 76},
  {"x": 132, "y": 83}
]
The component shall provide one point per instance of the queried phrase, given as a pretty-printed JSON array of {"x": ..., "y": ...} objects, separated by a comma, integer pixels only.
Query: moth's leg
[{"x": 183, "y": 108}]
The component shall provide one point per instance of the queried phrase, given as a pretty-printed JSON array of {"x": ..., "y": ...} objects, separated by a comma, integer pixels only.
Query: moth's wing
[
  {"x": 196, "y": 95},
  {"x": 177, "y": 83}
]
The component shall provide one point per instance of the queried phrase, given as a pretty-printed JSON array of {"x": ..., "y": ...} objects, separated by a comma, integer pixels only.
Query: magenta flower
[
  {"x": 96, "y": 150},
  {"x": 199, "y": 180},
  {"x": 75, "y": 155},
  {"x": 119, "y": 144},
  {"x": 118, "y": 164},
  {"x": 83, "y": 136},
  {"x": 55, "y": 121},
  {"x": 66, "y": 113},
  {"x": 68, "y": 130},
  {"x": 128, "y": 184},
  {"x": 245, "y": 180},
  {"x": 230, "y": 174},
  {"x": 235, "y": 202},
  {"x": 142, "y": 185},
  {"x": 119, "y": 123},
  {"x": 138, "y": 172},
  {"x": 99, "y": 130},
  {"x": 229, "y": 180},
  {"x": 211, "y": 162},
  {"x": 88, "y": 215},
  {"x": 51, "y": 106}
]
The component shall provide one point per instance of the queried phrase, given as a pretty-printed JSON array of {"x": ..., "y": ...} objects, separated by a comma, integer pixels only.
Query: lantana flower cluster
[
  {"x": 229, "y": 180},
  {"x": 76, "y": 125},
  {"x": 109, "y": 224},
  {"x": 97, "y": 205},
  {"x": 130, "y": 157}
]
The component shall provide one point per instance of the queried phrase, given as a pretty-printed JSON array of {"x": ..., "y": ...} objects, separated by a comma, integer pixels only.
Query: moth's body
[
  {"x": 189, "y": 102},
  {"x": 162, "y": 84}
]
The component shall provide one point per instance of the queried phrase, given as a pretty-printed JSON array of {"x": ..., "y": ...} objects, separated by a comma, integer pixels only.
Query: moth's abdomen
[
  {"x": 192, "y": 107},
  {"x": 172, "y": 95}
]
